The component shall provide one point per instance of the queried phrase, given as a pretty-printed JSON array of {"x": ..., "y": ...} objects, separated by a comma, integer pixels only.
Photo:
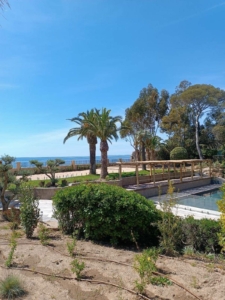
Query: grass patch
[
  {"x": 90, "y": 177},
  {"x": 11, "y": 287}
]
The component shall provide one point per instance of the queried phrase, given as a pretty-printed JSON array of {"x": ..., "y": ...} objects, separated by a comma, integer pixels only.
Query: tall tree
[
  {"x": 105, "y": 128},
  {"x": 146, "y": 114},
  {"x": 200, "y": 99},
  {"x": 83, "y": 120},
  {"x": 7, "y": 178}
]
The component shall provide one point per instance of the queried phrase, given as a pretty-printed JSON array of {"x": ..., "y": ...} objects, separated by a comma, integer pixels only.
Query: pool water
[{"x": 206, "y": 200}]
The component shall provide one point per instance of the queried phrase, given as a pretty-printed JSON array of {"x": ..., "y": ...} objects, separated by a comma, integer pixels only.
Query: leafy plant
[
  {"x": 160, "y": 280},
  {"x": 64, "y": 182},
  {"x": 11, "y": 287},
  {"x": 188, "y": 250},
  {"x": 13, "y": 245},
  {"x": 169, "y": 225},
  {"x": 77, "y": 267},
  {"x": 30, "y": 212},
  {"x": 201, "y": 235},
  {"x": 145, "y": 265},
  {"x": 7, "y": 178},
  {"x": 71, "y": 246},
  {"x": 104, "y": 212},
  {"x": 43, "y": 233}
]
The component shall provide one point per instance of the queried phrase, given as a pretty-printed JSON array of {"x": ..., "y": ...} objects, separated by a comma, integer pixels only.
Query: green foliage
[
  {"x": 11, "y": 287},
  {"x": 201, "y": 235},
  {"x": 145, "y": 265},
  {"x": 43, "y": 233},
  {"x": 82, "y": 132},
  {"x": 13, "y": 245},
  {"x": 104, "y": 212},
  {"x": 188, "y": 250},
  {"x": 71, "y": 246},
  {"x": 77, "y": 267},
  {"x": 50, "y": 170},
  {"x": 160, "y": 280},
  {"x": 221, "y": 206},
  {"x": 64, "y": 182},
  {"x": 178, "y": 153},
  {"x": 170, "y": 225},
  {"x": 6, "y": 178},
  {"x": 30, "y": 212}
]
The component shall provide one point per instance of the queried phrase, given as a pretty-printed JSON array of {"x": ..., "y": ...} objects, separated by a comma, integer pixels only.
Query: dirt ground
[{"x": 204, "y": 279}]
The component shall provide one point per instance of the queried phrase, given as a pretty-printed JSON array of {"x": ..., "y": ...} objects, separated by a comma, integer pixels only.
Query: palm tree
[
  {"x": 105, "y": 128},
  {"x": 83, "y": 120}
]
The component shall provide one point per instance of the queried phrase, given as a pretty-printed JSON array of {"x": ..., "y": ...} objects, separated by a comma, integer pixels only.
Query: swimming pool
[
  {"x": 204, "y": 197},
  {"x": 205, "y": 200}
]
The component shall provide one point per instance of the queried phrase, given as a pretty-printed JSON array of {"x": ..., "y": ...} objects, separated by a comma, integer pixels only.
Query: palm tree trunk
[
  {"x": 104, "y": 159},
  {"x": 92, "y": 141},
  {"x": 92, "y": 148}
]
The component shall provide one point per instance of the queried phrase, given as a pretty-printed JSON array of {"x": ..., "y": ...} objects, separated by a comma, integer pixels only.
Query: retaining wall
[{"x": 179, "y": 186}]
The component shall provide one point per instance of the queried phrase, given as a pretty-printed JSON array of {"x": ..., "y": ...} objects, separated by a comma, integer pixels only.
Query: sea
[{"x": 79, "y": 160}]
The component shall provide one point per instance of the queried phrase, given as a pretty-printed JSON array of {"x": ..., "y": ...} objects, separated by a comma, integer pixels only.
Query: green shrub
[
  {"x": 13, "y": 245},
  {"x": 29, "y": 211},
  {"x": 64, "y": 182},
  {"x": 178, "y": 153},
  {"x": 170, "y": 225},
  {"x": 43, "y": 233},
  {"x": 11, "y": 287},
  {"x": 104, "y": 212},
  {"x": 77, "y": 267},
  {"x": 201, "y": 235}
]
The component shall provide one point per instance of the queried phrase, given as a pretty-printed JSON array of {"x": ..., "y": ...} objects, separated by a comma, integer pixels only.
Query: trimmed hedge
[{"x": 106, "y": 213}]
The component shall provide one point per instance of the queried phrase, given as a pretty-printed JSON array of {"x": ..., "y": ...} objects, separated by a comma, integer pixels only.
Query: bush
[
  {"x": 29, "y": 211},
  {"x": 11, "y": 287},
  {"x": 104, "y": 212},
  {"x": 178, "y": 153},
  {"x": 201, "y": 235},
  {"x": 64, "y": 182}
]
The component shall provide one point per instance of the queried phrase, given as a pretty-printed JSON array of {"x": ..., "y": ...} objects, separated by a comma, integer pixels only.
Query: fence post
[
  {"x": 18, "y": 166},
  {"x": 73, "y": 164}
]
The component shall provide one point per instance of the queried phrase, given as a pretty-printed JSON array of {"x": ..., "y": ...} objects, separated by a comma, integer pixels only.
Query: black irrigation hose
[{"x": 81, "y": 279}]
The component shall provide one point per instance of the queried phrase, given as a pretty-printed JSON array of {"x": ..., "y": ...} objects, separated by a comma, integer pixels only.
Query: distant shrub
[
  {"x": 178, "y": 153},
  {"x": 64, "y": 182},
  {"x": 163, "y": 154},
  {"x": 201, "y": 235},
  {"x": 104, "y": 212}
]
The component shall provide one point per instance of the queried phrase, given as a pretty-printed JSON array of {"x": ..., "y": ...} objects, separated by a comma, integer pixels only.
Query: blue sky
[{"x": 62, "y": 57}]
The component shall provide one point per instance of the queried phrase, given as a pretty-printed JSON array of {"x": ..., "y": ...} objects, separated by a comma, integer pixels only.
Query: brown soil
[{"x": 204, "y": 279}]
